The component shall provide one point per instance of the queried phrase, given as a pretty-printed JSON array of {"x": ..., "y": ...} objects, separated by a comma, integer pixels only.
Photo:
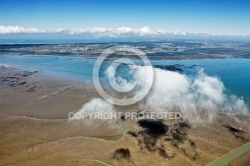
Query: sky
[{"x": 121, "y": 18}]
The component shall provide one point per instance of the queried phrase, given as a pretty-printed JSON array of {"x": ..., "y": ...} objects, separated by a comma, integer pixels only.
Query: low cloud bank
[
  {"x": 97, "y": 31},
  {"x": 101, "y": 31},
  {"x": 199, "y": 98},
  {"x": 19, "y": 29}
]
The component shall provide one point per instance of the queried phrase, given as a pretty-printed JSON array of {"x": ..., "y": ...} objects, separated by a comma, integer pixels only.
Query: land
[
  {"x": 35, "y": 130},
  {"x": 155, "y": 50},
  {"x": 241, "y": 161}
]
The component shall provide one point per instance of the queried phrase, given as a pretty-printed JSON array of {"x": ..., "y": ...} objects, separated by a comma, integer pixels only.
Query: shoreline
[
  {"x": 153, "y": 58},
  {"x": 80, "y": 69}
]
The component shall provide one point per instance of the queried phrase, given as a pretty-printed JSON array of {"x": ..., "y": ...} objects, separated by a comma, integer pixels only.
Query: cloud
[
  {"x": 96, "y": 105},
  {"x": 193, "y": 96},
  {"x": 122, "y": 31},
  {"x": 96, "y": 113},
  {"x": 20, "y": 29},
  {"x": 199, "y": 98},
  {"x": 97, "y": 31}
]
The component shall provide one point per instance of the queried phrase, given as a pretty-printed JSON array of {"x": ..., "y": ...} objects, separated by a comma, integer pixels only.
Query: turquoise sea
[{"x": 234, "y": 73}]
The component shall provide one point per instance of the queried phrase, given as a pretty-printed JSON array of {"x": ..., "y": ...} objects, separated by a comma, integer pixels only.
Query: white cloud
[
  {"x": 19, "y": 29},
  {"x": 122, "y": 31},
  {"x": 98, "y": 31},
  {"x": 125, "y": 30},
  {"x": 199, "y": 98},
  {"x": 97, "y": 113},
  {"x": 102, "y": 31}
]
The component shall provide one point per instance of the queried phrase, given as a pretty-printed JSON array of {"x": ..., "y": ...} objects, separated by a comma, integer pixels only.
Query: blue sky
[{"x": 216, "y": 17}]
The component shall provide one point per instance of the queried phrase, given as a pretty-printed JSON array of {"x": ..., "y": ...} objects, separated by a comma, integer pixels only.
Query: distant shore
[{"x": 155, "y": 50}]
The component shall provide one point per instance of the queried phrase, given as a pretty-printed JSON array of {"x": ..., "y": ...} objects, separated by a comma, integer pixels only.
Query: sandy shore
[{"x": 34, "y": 129}]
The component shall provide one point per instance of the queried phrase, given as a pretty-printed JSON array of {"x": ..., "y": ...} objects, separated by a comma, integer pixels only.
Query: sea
[{"x": 234, "y": 73}]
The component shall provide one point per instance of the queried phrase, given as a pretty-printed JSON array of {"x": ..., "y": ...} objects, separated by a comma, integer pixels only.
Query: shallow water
[{"x": 234, "y": 73}]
